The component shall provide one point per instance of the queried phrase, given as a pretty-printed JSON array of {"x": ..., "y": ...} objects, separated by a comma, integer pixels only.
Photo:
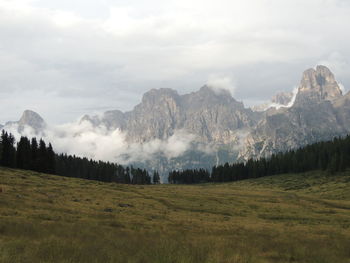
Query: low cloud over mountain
[{"x": 202, "y": 128}]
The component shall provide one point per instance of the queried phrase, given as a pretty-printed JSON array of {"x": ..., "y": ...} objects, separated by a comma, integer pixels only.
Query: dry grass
[{"x": 289, "y": 218}]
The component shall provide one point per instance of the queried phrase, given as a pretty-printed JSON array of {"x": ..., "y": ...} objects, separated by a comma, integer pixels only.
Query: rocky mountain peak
[
  {"x": 212, "y": 91},
  {"x": 208, "y": 96},
  {"x": 31, "y": 119},
  {"x": 317, "y": 85},
  {"x": 155, "y": 95}
]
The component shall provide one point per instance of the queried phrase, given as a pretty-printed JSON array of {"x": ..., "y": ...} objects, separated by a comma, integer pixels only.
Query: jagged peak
[
  {"x": 318, "y": 84},
  {"x": 31, "y": 117},
  {"x": 161, "y": 92},
  {"x": 213, "y": 91},
  {"x": 323, "y": 70}
]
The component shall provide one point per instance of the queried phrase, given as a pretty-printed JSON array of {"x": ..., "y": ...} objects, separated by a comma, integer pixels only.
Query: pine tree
[
  {"x": 1, "y": 147},
  {"x": 50, "y": 159},
  {"x": 42, "y": 157},
  {"x": 156, "y": 177},
  {"x": 34, "y": 155},
  {"x": 8, "y": 150},
  {"x": 23, "y": 156}
]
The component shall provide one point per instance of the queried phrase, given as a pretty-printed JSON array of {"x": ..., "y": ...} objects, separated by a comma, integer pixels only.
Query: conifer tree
[
  {"x": 23, "y": 156},
  {"x": 156, "y": 177},
  {"x": 50, "y": 159},
  {"x": 8, "y": 150},
  {"x": 34, "y": 155}
]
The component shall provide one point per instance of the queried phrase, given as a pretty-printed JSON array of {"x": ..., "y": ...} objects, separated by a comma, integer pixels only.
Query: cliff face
[
  {"x": 29, "y": 119},
  {"x": 207, "y": 114},
  {"x": 317, "y": 85},
  {"x": 319, "y": 112},
  {"x": 282, "y": 98}
]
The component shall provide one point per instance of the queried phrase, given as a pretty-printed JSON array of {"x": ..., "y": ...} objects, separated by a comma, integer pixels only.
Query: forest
[
  {"x": 31, "y": 154},
  {"x": 331, "y": 156}
]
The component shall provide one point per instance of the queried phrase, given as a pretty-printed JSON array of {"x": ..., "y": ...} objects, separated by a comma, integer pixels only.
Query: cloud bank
[{"x": 85, "y": 140}]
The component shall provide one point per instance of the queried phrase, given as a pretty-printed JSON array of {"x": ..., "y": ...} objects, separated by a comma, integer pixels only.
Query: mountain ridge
[{"x": 316, "y": 111}]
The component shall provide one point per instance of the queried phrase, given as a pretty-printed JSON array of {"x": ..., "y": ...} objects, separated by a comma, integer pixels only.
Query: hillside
[{"x": 285, "y": 218}]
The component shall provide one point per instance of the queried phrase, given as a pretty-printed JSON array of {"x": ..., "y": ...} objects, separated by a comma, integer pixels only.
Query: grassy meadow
[{"x": 286, "y": 218}]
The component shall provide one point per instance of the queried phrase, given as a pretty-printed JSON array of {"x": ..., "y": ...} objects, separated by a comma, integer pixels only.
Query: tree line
[
  {"x": 331, "y": 156},
  {"x": 29, "y": 154}
]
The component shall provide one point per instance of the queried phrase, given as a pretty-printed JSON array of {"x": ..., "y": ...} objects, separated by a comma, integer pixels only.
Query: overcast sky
[{"x": 64, "y": 58}]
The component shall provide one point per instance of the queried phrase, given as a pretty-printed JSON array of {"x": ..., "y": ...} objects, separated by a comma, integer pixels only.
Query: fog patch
[{"x": 83, "y": 139}]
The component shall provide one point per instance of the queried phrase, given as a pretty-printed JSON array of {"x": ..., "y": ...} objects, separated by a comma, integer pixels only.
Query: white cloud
[
  {"x": 85, "y": 140},
  {"x": 66, "y": 19},
  {"x": 219, "y": 83}
]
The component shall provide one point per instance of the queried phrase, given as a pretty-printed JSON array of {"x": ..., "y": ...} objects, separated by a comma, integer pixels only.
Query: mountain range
[{"x": 221, "y": 128}]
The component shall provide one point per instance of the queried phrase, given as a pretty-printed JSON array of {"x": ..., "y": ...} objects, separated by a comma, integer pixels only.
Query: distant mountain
[
  {"x": 319, "y": 112},
  {"x": 221, "y": 128},
  {"x": 211, "y": 116},
  {"x": 29, "y": 119}
]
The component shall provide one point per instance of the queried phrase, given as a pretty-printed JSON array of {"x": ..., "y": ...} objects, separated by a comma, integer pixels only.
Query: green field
[{"x": 286, "y": 218}]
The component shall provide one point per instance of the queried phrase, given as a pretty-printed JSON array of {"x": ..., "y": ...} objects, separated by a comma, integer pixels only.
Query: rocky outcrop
[
  {"x": 156, "y": 117},
  {"x": 110, "y": 119},
  {"x": 319, "y": 112},
  {"x": 342, "y": 108},
  {"x": 209, "y": 115},
  {"x": 316, "y": 86},
  {"x": 282, "y": 98},
  {"x": 31, "y": 119}
]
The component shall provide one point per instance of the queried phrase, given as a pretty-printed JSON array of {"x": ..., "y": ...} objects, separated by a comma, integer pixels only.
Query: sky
[{"x": 64, "y": 58}]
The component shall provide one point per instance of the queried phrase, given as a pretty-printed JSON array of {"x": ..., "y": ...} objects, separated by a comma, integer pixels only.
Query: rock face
[
  {"x": 29, "y": 119},
  {"x": 282, "y": 98},
  {"x": 110, "y": 119},
  {"x": 320, "y": 112},
  {"x": 32, "y": 119},
  {"x": 317, "y": 86},
  {"x": 211, "y": 116},
  {"x": 317, "y": 112}
]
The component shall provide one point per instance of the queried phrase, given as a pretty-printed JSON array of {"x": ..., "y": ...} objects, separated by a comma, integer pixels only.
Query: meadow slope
[{"x": 286, "y": 218}]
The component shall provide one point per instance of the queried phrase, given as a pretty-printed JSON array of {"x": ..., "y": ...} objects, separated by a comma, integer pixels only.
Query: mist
[{"x": 83, "y": 139}]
